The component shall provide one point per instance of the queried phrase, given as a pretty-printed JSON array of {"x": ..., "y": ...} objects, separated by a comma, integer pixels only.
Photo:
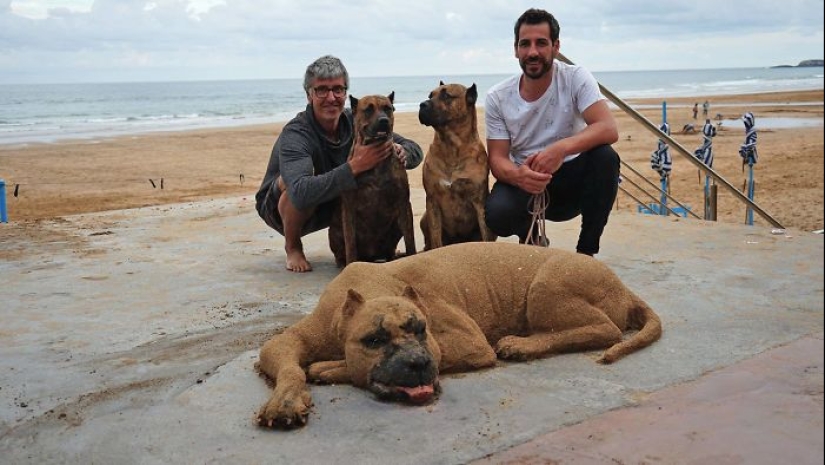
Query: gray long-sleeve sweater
[{"x": 314, "y": 168}]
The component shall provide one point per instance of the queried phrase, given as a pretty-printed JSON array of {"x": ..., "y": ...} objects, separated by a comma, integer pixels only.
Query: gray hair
[{"x": 326, "y": 67}]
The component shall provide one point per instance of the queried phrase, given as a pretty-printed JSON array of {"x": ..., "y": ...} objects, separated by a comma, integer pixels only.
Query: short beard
[{"x": 545, "y": 68}]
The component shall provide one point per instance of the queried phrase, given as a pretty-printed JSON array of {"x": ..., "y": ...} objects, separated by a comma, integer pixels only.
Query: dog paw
[
  {"x": 285, "y": 412},
  {"x": 512, "y": 348},
  {"x": 329, "y": 372},
  {"x": 607, "y": 358}
]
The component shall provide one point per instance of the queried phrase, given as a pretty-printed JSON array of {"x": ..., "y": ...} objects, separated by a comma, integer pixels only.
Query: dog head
[
  {"x": 373, "y": 117},
  {"x": 448, "y": 103},
  {"x": 388, "y": 347}
]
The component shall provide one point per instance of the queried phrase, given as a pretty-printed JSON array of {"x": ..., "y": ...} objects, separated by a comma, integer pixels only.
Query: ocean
[{"x": 52, "y": 112}]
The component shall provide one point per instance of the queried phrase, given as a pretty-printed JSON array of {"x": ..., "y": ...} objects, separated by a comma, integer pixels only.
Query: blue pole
[
  {"x": 664, "y": 111},
  {"x": 4, "y": 215},
  {"x": 664, "y": 197}
]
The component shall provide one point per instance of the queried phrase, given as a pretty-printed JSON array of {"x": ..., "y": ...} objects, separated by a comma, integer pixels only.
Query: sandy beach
[{"x": 79, "y": 176}]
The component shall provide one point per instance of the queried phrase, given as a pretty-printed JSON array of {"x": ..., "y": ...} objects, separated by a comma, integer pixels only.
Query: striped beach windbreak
[
  {"x": 748, "y": 150},
  {"x": 660, "y": 159},
  {"x": 705, "y": 152}
]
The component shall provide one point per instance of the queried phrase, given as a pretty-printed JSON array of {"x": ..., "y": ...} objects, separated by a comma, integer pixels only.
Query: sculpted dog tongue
[{"x": 419, "y": 394}]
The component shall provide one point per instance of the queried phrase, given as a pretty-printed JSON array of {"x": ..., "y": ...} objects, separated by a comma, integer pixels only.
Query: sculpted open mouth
[{"x": 417, "y": 395}]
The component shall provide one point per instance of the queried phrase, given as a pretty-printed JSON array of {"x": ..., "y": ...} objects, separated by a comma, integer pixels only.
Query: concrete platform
[{"x": 130, "y": 337}]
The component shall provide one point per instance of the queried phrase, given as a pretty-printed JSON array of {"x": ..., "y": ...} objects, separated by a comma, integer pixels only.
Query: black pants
[{"x": 584, "y": 186}]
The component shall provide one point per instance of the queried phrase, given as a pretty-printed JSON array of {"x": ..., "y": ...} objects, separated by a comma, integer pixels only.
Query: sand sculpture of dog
[
  {"x": 455, "y": 172},
  {"x": 392, "y": 328},
  {"x": 374, "y": 216}
]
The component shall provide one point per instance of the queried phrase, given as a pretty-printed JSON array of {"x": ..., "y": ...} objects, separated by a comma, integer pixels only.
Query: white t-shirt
[{"x": 532, "y": 126}]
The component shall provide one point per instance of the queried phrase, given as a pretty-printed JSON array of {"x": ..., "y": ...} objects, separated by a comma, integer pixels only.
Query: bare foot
[{"x": 297, "y": 262}]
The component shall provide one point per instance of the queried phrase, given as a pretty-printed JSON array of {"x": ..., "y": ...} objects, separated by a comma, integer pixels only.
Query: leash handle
[{"x": 537, "y": 235}]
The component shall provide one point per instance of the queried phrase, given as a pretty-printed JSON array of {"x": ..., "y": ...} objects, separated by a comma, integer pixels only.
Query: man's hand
[
  {"x": 547, "y": 161},
  {"x": 400, "y": 154},
  {"x": 532, "y": 181},
  {"x": 367, "y": 157}
]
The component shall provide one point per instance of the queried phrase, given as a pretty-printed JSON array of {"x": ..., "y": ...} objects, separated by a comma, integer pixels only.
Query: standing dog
[
  {"x": 393, "y": 327},
  {"x": 455, "y": 172},
  {"x": 373, "y": 217}
]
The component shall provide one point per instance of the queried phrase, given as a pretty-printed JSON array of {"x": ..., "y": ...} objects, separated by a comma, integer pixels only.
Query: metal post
[
  {"x": 4, "y": 215},
  {"x": 663, "y": 198},
  {"x": 712, "y": 204},
  {"x": 751, "y": 189},
  {"x": 664, "y": 111},
  {"x": 707, "y": 197}
]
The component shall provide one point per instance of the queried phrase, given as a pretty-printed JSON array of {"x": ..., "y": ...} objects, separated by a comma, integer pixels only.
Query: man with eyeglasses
[{"x": 308, "y": 169}]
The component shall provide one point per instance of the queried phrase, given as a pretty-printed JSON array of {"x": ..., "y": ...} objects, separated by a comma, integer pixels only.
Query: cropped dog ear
[
  {"x": 353, "y": 103},
  {"x": 391, "y": 97},
  {"x": 353, "y": 303},
  {"x": 414, "y": 296},
  {"x": 440, "y": 83},
  {"x": 472, "y": 95}
]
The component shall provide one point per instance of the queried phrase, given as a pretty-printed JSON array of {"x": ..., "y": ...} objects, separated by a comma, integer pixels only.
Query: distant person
[
  {"x": 705, "y": 109},
  {"x": 695, "y": 110},
  {"x": 549, "y": 131},
  {"x": 308, "y": 169}
]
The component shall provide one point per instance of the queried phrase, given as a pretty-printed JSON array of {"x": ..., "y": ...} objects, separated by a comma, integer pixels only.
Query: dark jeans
[{"x": 584, "y": 186}]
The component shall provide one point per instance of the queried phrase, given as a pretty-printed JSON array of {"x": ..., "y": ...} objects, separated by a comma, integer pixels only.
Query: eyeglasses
[{"x": 323, "y": 91}]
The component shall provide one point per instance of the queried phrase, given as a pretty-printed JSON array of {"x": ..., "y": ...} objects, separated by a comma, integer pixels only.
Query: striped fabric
[
  {"x": 660, "y": 159},
  {"x": 705, "y": 152},
  {"x": 748, "y": 150}
]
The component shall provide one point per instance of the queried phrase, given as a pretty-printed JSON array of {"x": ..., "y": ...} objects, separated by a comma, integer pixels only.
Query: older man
[{"x": 309, "y": 166}]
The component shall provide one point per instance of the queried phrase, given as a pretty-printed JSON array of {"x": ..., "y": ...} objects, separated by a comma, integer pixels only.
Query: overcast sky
[{"x": 160, "y": 40}]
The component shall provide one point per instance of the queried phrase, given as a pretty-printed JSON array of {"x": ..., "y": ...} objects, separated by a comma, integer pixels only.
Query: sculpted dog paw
[
  {"x": 286, "y": 411},
  {"x": 513, "y": 348},
  {"x": 329, "y": 372}
]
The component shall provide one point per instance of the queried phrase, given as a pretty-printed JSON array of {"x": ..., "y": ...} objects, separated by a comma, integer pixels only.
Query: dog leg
[
  {"x": 597, "y": 336},
  {"x": 486, "y": 234},
  {"x": 434, "y": 227},
  {"x": 405, "y": 223},
  {"x": 348, "y": 226},
  {"x": 290, "y": 402},
  {"x": 329, "y": 372}
]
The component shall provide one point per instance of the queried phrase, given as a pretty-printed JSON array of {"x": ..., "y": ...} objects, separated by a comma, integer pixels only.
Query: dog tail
[{"x": 640, "y": 317}]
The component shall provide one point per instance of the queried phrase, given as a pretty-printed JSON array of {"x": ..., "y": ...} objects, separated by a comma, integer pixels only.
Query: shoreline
[
  {"x": 81, "y": 175},
  {"x": 96, "y": 135}
]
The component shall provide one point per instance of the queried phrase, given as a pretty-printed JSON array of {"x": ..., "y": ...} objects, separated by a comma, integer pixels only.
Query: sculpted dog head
[
  {"x": 447, "y": 104},
  {"x": 388, "y": 347},
  {"x": 373, "y": 117}
]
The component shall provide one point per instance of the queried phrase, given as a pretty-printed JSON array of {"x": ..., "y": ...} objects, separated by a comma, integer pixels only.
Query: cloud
[{"x": 103, "y": 40}]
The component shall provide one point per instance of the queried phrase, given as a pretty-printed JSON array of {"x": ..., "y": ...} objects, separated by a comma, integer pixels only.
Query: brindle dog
[{"x": 373, "y": 217}]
